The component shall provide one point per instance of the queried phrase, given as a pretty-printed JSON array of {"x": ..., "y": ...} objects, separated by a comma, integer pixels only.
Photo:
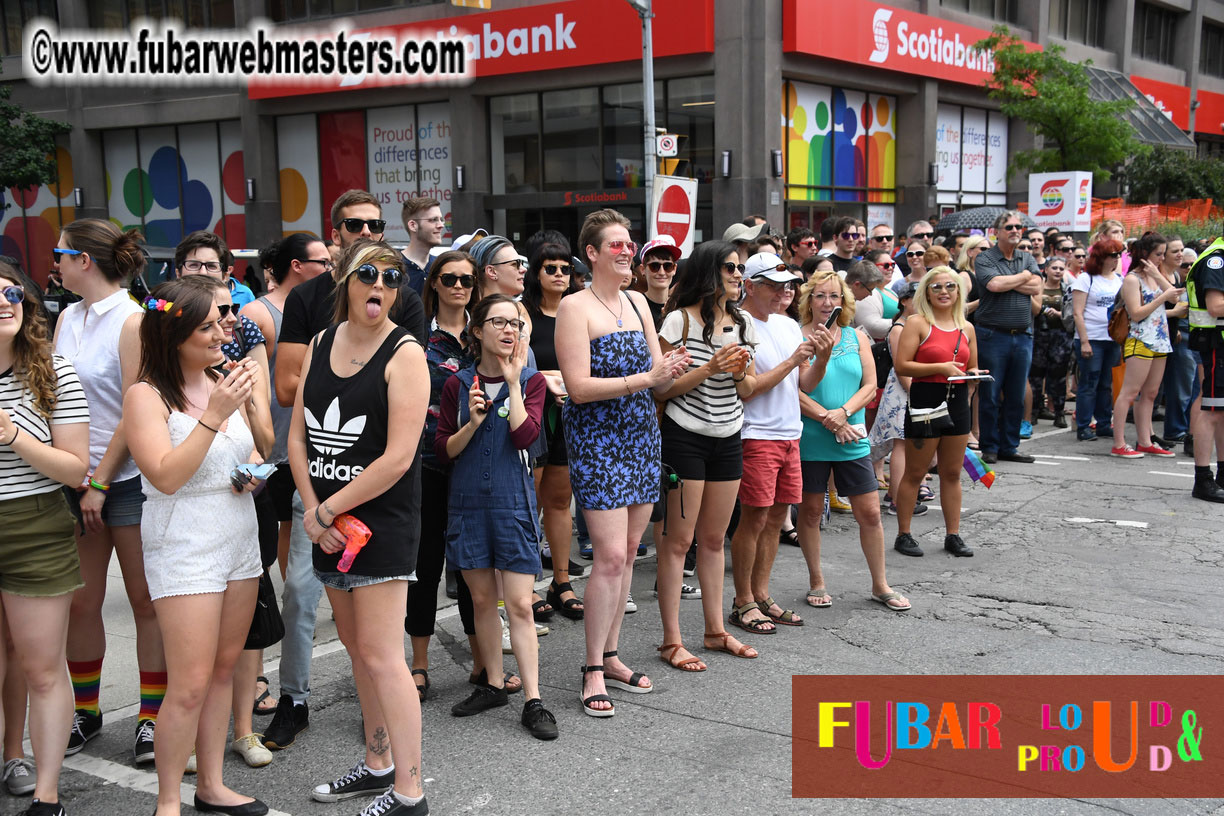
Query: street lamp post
[{"x": 643, "y": 8}]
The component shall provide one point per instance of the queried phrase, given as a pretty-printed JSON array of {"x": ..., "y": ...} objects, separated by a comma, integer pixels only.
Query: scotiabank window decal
[{"x": 839, "y": 145}]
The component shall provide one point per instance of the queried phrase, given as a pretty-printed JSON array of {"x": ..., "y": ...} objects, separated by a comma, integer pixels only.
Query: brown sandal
[
  {"x": 723, "y": 646},
  {"x": 667, "y": 653}
]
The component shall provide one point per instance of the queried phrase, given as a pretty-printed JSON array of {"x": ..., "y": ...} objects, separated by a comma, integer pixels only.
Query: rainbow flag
[{"x": 978, "y": 470}]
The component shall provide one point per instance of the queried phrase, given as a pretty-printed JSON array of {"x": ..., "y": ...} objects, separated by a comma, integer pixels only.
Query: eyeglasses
[
  {"x": 519, "y": 262},
  {"x": 884, "y": 238},
  {"x": 500, "y": 323},
  {"x": 923, "y": 235},
  {"x": 57, "y": 252},
  {"x": 376, "y": 225},
  {"x": 775, "y": 285},
  {"x": 327, "y": 265},
  {"x": 16, "y": 294},
  {"x": 730, "y": 268},
  {"x": 666, "y": 266},
  {"x": 943, "y": 287},
  {"x": 618, "y": 247},
  {"x": 809, "y": 242},
  {"x": 1012, "y": 227},
  {"x": 887, "y": 266},
  {"x": 914, "y": 254},
  {"x": 193, "y": 266},
  {"x": 567, "y": 269},
  {"x": 448, "y": 280},
  {"x": 437, "y": 219},
  {"x": 224, "y": 310},
  {"x": 392, "y": 278}
]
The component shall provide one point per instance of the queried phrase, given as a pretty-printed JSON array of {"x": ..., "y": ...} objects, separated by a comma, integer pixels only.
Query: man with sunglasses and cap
[
  {"x": 1004, "y": 319},
  {"x": 309, "y": 309}
]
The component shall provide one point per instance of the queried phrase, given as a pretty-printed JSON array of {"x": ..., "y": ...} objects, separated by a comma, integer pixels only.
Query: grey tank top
[{"x": 280, "y": 416}]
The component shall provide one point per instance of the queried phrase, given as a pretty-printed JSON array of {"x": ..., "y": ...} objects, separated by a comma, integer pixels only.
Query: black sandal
[
  {"x": 423, "y": 691},
  {"x": 790, "y": 536},
  {"x": 633, "y": 685},
  {"x": 596, "y": 698},
  {"x": 570, "y": 608},
  {"x": 543, "y": 610},
  {"x": 267, "y": 695}
]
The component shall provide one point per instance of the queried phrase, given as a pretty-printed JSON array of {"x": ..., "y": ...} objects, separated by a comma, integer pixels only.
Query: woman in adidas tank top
[{"x": 353, "y": 446}]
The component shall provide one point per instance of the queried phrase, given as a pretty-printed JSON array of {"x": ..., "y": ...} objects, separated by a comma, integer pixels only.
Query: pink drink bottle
[{"x": 356, "y": 535}]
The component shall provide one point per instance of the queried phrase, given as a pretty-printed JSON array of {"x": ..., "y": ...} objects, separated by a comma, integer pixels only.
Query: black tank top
[
  {"x": 346, "y": 430},
  {"x": 543, "y": 342}
]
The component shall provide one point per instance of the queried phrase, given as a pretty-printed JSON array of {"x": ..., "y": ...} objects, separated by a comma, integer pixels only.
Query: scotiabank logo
[
  {"x": 1051, "y": 197},
  {"x": 593, "y": 198},
  {"x": 1083, "y": 197},
  {"x": 879, "y": 30},
  {"x": 492, "y": 43}
]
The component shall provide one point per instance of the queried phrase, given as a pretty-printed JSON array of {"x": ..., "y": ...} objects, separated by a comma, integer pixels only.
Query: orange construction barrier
[{"x": 1137, "y": 217}]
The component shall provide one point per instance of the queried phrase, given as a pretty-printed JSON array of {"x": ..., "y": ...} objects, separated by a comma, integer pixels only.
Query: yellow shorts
[{"x": 1137, "y": 348}]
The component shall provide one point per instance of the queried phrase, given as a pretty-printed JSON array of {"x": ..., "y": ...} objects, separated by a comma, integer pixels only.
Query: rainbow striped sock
[
  {"x": 152, "y": 691},
  {"x": 86, "y": 679}
]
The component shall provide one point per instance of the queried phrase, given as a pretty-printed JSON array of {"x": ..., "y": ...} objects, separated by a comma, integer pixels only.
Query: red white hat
[{"x": 665, "y": 243}]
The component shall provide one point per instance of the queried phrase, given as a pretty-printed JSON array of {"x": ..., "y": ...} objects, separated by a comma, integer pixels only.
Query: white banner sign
[{"x": 1062, "y": 200}]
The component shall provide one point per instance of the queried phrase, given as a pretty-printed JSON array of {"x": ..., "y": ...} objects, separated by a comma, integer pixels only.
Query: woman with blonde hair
[{"x": 936, "y": 344}]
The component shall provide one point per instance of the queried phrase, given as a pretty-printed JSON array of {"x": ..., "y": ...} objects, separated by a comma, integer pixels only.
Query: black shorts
[
  {"x": 553, "y": 430},
  {"x": 280, "y": 489},
  {"x": 930, "y": 394},
  {"x": 699, "y": 457},
  {"x": 854, "y": 477},
  {"x": 1213, "y": 379}
]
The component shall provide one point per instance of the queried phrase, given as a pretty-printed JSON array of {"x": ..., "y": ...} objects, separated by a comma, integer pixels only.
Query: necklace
[{"x": 617, "y": 315}]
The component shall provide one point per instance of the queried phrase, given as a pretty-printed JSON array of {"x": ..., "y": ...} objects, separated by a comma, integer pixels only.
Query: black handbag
[{"x": 267, "y": 627}]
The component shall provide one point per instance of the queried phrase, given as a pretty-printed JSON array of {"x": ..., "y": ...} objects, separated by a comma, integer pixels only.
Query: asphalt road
[{"x": 1085, "y": 565}]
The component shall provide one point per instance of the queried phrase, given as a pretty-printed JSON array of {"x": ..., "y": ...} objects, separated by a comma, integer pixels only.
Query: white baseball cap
[{"x": 769, "y": 266}]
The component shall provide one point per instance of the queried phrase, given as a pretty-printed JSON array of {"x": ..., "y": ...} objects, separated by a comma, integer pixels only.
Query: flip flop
[
  {"x": 884, "y": 599},
  {"x": 266, "y": 695},
  {"x": 816, "y": 594}
]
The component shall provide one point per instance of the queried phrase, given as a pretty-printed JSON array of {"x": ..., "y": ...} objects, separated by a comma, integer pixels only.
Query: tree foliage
[
  {"x": 1166, "y": 174},
  {"x": 1051, "y": 96},
  {"x": 27, "y": 144}
]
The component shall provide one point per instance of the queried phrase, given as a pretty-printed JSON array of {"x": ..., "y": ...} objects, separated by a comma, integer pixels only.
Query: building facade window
[
  {"x": 1154, "y": 33},
  {"x": 191, "y": 13},
  {"x": 1081, "y": 21},
  {"x": 14, "y": 16},
  {"x": 283, "y": 11},
  {"x": 1211, "y": 51},
  {"x": 998, "y": 10},
  {"x": 971, "y": 151}
]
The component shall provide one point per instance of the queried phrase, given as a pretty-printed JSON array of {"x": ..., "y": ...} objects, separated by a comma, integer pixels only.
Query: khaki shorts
[{"x": 39, "y": 547}]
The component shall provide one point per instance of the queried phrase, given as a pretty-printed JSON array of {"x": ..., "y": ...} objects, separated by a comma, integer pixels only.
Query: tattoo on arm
[{"x": 379, "y": 743}]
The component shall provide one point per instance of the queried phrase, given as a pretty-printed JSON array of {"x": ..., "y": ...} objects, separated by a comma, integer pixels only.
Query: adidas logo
[{"x": 330, "y": 436}]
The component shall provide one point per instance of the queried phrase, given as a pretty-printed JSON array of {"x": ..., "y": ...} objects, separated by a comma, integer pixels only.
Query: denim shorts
[
  {"x": 122, "y": 506},
  {"x": 345, "y": 582}
]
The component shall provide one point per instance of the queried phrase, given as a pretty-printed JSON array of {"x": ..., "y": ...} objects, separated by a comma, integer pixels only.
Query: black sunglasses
[
  {"x": 730, "y": 267},
  {"x": 392, "y": 278},
  {"x": 224, "y": 310},
  {"x": 915, "y": 254},
  {"x": 376, "y": 225},
  {"x": 1080, "y": 255},
  {"x": 1113, "y": 254},
  {"x": 553, "y": 269},
  {"x": 449, "y": 279},
  {"x": 881, "y": 237},
  {"x": 1011, "y": 227},
  {"x": 1183, "y": 266},
  {"x": 923, "y": 235},
  {"x": 666, "y": 266}
]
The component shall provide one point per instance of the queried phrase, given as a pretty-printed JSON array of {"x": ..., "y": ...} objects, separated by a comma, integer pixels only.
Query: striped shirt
[
  {"x": 17, "y": 477},
  {"x": 712, "y": 408}
]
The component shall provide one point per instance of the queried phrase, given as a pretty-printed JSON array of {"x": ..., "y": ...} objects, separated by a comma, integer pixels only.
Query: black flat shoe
[{"x": 255, "y": 808}]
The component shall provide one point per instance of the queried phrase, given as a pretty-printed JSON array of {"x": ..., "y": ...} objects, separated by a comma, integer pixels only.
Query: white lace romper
[{"x": 203, "y": 536}]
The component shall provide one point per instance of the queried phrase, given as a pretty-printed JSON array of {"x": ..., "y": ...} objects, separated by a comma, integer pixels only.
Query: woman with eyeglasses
[
  {"x": 936, "y": 344},
  {"x": 100, "y": 336},
  {"x": 610, "y": 358},
  {"x": 701, "y": 441},
  {"x": 1145, "y": 291},
  {"x": 834, "y": 442},
  {"x": 44, "y": 445},
  {"x": 490, "y": 415},
  {"x": 201, "y": 548},
  {"x": 353, "y": 447},
  {"x": 914, "y": 256},
  {"x": 1093, "y": 295}
]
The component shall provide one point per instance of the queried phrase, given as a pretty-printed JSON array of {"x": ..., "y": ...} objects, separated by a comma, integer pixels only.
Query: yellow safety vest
[{"x": 1200, "y": 318}]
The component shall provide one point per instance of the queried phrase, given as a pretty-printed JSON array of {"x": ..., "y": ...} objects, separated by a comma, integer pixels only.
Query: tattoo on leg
[
  {"x": 918, "y": 443},
  {"x": 379, "y": 744},
  {"x": 412, "y": 772}
]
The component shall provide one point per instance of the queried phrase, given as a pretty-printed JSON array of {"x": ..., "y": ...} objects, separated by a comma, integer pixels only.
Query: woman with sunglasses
[
  {"x": 100, "y": 336},
  {"x": 44, "y": 445},
  {"x": 701, "y": 441},
  {"x": 914, "y": 256},
  {"x": 448, "y": 292},
  {"x": 550, "y": 277},
  {"x": 490, "y": 415},
  {"x": 201, "y": 551},
  {"x": 937, "y": 343},
  {"x": 610, "y": 358},
  {"x": 353, "y": 447},
  {"x": 1093, "y": 295}
]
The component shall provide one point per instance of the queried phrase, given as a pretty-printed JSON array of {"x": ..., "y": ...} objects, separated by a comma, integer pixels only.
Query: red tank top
[{"x": 942, "y": 346}]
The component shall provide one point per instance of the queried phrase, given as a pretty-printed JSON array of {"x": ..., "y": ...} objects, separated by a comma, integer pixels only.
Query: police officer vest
[{"x": 1200, "y": 318}]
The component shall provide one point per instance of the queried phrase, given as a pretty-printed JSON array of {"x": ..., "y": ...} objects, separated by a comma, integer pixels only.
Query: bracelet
[
  {"x": 16, "y": 431},
  {"x": 625, "y": 380},
  {"x": 208, "y": 427},
  {"x": 96, "y": 485},
  {"x": 741, "y": 379},
  {"x": 319, "y": 519}
]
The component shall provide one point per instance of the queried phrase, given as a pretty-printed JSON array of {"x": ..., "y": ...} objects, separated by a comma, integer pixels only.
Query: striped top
[
  {"x": 17, "y": 478},
  {"x": 712, "y": 408}
]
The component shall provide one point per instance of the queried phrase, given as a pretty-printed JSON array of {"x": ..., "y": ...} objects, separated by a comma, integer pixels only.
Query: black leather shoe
[
  {"x": 990, "y": 457},
  {"x": 255, "y": 808},
  {"x": 954, "y": 545},
  {"x": 1208, "y": 490},
  {"x": 906, "y": 545},
  {"x": 1017, "y": 457}
]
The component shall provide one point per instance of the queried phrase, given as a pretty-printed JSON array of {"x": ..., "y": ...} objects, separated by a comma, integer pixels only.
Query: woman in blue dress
[{"x": 610, "y": 358}]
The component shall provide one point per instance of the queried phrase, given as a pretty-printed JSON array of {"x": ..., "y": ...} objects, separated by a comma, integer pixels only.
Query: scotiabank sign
[
  {"x": 867, "y": 33},
  {"x": 542, "y": 37}
]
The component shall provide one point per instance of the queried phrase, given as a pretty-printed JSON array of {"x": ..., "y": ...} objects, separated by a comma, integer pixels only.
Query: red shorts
[{"x": 771, "y": 473}]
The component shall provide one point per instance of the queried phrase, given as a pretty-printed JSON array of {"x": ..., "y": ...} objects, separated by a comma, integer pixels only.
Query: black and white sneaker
[
  {"x": 142, "y": 749},
  {"x": 690, "y": 561},
  {"x": 85, "y": 726},
  {"x": 389, "y": 805},
  {"x": 38, "y": 808},
  {"x": 357, "y": 782},
  {"x": 690, "y": 593}
]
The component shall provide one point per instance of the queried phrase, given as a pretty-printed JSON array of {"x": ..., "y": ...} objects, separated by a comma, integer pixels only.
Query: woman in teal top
[{"x": 835, "y": 439}]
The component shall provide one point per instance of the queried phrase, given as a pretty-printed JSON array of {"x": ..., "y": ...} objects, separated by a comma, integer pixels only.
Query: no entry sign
[{"x": 675, "y": 210}]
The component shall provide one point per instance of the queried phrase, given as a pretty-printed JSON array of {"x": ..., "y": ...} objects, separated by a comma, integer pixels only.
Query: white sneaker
[
  {"x": 191, "y": 763},
  {"x": 506, "y": 647},
  {"x": 20, "y": 776},
  {"x": 630, "y": 605},
  {"x": 252, "y": 750},
  {"x": 541, "y": 629},
  {"x": 690, "y": 592}
]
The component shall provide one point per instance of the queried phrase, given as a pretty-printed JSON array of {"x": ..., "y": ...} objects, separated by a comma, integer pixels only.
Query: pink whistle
[{"x": 355, "y": 534}]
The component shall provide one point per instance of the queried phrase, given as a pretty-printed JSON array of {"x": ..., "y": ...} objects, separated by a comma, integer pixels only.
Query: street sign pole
[{"x": 643, "y": 8}]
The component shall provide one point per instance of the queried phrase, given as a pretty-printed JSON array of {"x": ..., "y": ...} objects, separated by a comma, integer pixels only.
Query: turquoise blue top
[{"x": 843, "y": 377}]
